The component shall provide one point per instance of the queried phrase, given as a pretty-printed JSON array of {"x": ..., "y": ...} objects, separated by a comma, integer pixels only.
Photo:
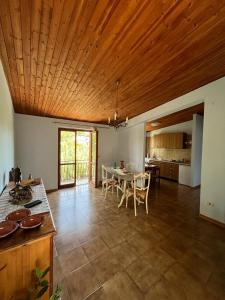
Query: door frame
[
  {"x": 96, "y": 159},
  {"x": 59, "y": 148}
]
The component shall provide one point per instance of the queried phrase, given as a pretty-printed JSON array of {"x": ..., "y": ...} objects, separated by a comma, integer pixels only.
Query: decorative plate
[
  {"x": 31, "y": 222},
  {"x": 7, "y": 228},
  {"x": 18, "y": 215}
]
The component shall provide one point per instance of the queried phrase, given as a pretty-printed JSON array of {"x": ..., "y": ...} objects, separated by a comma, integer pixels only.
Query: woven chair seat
[{"x": 139, "y": 193}]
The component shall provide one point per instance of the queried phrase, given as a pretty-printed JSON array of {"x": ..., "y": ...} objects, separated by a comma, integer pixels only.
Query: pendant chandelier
[{"x": 116, "y": 122}]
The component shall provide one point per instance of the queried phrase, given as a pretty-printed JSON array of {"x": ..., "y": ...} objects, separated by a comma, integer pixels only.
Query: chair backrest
[
  {"x": 105, "y": 172},
  {"x": 142, "y": 181}
]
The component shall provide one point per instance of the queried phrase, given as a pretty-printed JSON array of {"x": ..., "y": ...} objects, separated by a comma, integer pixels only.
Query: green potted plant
[{"x": 41, "y": 285}]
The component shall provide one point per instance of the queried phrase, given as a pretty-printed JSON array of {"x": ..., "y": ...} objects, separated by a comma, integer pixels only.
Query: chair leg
[
  {"x": 106, "y": 190},
  {"x": 126, "y": 201},
  {"x": 117, "y": 192},
  {"x": 135, "y": 208},
  {"x": 146, "y": 204}
]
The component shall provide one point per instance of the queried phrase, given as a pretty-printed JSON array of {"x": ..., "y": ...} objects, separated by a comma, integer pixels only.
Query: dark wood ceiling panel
[
  {"x": 62, "y": 57},
  {"x": 176, "y": 118}
]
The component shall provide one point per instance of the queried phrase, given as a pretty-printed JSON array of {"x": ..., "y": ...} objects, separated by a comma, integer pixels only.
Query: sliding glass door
[
  {"x": 83, "y": 157},
  {"x": 77, "y": 162}
]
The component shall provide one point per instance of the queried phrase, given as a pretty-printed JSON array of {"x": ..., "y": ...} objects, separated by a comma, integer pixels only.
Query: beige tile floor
[{"x": 102, "y": 252}]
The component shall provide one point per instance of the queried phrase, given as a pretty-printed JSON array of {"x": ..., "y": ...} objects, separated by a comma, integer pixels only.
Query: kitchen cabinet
[
  {"x": 148, "y": 139},
  {"x": 168, "y": 141},
  {"x": 168, "y": 170},
  {"x": 164, "y": 170}
]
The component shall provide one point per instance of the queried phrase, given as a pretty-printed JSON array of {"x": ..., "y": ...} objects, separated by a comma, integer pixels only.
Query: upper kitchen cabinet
[{"x": 168, "y": 140}]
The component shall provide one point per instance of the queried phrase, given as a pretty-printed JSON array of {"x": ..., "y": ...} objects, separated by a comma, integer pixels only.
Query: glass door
[
  {"x": 67, "y": 158},
  {"x": 77, "y": 162},
  {"x": 82, "y": 157}
]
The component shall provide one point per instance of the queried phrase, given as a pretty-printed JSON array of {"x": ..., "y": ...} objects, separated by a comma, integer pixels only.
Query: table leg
[{"x": 124, "y": 193}]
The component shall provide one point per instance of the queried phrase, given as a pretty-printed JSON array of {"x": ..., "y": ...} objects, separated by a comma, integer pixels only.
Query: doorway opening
[
  {"x": 77, "y": 162},
  {"x": 174, "y": 146}
]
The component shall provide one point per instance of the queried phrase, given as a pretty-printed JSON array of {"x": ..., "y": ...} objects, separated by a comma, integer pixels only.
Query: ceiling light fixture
[
  {"x": 155, "y": 124},
  {"x": 116, "y": 122}
]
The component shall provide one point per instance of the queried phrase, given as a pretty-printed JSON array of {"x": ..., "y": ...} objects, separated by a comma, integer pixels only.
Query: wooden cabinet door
[
  {"x": 167, "y": 141},
  {"x": 164, "y": 170},
  {"x": 148, "y": 142},
  {"x": 178, "y": 140},
  {"x": 169, "y": 170},
  {"x": 158, "y": 141},
  {"x": 162, "y": 141},
  {"x": 174, "y": 171},
  {"x": 17, "y": 265},
  {"x": 153, "y": 141}
]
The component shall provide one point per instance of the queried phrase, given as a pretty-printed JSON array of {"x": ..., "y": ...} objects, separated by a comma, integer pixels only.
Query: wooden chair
[
  {"x": 108, "y": 181},
  {"x": 139, "y": 190}
]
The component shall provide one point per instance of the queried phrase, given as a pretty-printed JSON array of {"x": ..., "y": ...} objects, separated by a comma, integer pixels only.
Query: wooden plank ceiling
[
  {"x": 63, "y": 57},
  {"x": 177, "y": 117}
]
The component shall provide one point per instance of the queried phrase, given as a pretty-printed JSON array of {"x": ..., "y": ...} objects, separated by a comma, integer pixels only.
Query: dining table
[{"x": 126, "y": 177}]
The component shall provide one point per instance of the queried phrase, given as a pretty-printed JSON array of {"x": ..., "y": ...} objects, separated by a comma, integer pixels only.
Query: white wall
[
  {"x": 181, "y": 127},
  {"x": 38, "y": 137},
  {"x": 131, "y": 146},
  {"x": 213, "y": 154},
  {"x": 6, "y": 131},
  {"x": 212, "y": 200},
  {"x": 37, "y": 146},
  {"x": 196, "y": 151}
]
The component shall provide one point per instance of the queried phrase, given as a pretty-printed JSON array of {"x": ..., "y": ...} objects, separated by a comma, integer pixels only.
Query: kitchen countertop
[{"x": 169, "y": 161}]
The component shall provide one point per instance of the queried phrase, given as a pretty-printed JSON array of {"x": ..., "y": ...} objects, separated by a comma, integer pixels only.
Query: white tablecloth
[{"x": 38, "y": 194}]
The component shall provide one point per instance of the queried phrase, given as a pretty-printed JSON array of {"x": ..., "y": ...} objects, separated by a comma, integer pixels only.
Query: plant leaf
[
  {"x": 56, "y": 294},
  {"x": 45, "y": 272},
  {"x": 38, "y": 273},
  {"x": 41, "y": 292},
  {"x": 44, "y": 283}
]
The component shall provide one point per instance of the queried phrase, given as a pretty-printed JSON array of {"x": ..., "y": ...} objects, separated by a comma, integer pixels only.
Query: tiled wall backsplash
[{"x": 169, "y": 154}]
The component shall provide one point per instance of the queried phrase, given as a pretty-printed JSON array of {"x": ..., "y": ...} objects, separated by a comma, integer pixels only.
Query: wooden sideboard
[{"x": 20, "y": 254}]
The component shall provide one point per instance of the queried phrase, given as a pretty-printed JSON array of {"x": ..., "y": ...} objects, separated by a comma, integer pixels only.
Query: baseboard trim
[
  {"x": 218, "y": 223},
  {"x": 51, "y": 191},
  {"x": 196, "y": 187}
]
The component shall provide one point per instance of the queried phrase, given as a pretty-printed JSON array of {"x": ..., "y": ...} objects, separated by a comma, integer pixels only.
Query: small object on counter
[
  {"x": 30, "y": 177},
  {"x": 11, "y": 175},
  {"x": 122, "y": 166},
  {"x": 18, "y": 215},
  {"x": 20, "y": 194},
  {"x": 30, "y": 182},
  {"x": 33, "y": 203},
  {"x": 7, "y": 228},
  {"x": 26, "y": 182},
  {"x": 15, "y": 175},
  {"x": 31, "y": 222},
  {"x": 36, "y": 181}
]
